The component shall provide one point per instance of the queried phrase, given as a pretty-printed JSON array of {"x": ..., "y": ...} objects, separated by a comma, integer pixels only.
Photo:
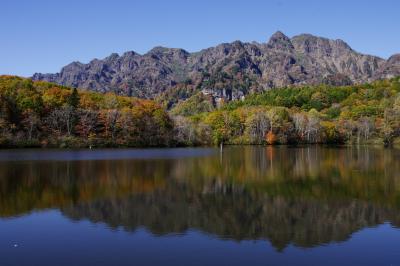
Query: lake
[{"x": 249, "y": 205}]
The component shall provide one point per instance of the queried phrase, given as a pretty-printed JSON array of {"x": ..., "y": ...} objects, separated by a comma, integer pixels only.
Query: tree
[
  {"x": 257, "y": 125},
  {"x": 319, "y": 101},
  {"x": 390, "y": 126},
  {"x": 55, "y": 97},
  {"x": 365, "y": 128},
  {"x": 271, "y": 138},
  {"x": 73, "y": 99},
  {"x": 88, "y": 120},
  {"x": 61, "y": 120},
  {"x": 4, "y": 116},
  {"x": 220, "y": 123},
  {"x": 276, "y": 116},
  {"x": 68, "y": 117},
  {"x": 331, "y": 134},
  {"x": 31, "y": 122},
  {"x": 110, "y": 119},
  {"x": 313, "y": 126},
  {"x": 347, "y": 127},
  {"x": 184, "y": 131},
  {"x": 72, "y": 106},
  {"x": 126, "y": 125},
  {"x": 300, "y": 122}
]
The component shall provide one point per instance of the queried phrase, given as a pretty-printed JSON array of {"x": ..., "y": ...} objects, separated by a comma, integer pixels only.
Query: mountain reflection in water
[{"x": 306, "y": 196}]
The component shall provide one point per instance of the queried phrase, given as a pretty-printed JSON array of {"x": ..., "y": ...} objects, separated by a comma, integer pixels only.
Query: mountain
[{"x": 229, "y": 70}]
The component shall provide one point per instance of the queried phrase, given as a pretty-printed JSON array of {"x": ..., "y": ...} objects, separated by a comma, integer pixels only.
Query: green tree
[{"x": 73, "y": 99}]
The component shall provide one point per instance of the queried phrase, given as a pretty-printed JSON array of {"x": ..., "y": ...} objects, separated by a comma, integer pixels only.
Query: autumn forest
[{"x": 42, "y": 114}]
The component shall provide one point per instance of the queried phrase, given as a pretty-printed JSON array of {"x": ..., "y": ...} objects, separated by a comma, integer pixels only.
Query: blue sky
[{"x": 43, "y": 36}]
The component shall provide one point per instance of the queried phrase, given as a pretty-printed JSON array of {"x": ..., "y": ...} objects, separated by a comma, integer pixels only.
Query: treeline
[
  {"x": 368, "y": 113},
  {"x": 44, "y": 114}
]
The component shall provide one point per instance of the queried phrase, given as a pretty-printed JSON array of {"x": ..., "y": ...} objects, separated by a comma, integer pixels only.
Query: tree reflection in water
[{"x": 306, "y": 196}]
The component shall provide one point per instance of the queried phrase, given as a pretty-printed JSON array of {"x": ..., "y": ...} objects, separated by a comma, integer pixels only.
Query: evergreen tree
[
  {"x": 71, "y": 110},
  {"x": 73, "y": 99}
]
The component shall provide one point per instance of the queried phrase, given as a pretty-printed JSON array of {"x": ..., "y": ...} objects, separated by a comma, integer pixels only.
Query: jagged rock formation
[
  {"x": 282, "y": 61},
  {"x": 390, "y": 69}
]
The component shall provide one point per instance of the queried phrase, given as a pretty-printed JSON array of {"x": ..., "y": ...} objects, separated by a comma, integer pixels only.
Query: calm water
[{"x": 246, "y": 206}]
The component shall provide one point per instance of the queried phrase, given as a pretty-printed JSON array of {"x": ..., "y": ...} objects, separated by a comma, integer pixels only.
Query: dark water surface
[{"x": 196, "y": 206}]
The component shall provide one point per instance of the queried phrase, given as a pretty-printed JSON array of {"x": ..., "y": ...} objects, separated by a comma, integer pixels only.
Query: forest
[
  {"x": 42, "y": 114},
  {"x": 323, "y": 114}
]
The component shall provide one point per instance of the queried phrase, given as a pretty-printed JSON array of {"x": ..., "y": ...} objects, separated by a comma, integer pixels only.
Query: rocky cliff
[{"x": 230, "y": 69}]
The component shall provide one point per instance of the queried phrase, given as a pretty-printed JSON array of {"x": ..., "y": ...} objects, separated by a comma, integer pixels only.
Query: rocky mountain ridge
[{"x": 229, "y": 70}]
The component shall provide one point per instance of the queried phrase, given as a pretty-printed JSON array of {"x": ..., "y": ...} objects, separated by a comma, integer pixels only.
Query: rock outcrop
[{"x": 281, "y": 61}]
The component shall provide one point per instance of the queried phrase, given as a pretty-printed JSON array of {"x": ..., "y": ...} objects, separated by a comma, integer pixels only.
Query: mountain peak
[
  {"x": 279, "y": 35},
  {"x": 280, "y": 41},
  {"x": 310, "y": 44},
  {"x": 158, "y": 49},
  {"x": 394, "y": 59},
  {"x": 282, "y": 61},
  {"x": 112, "y": 57}
]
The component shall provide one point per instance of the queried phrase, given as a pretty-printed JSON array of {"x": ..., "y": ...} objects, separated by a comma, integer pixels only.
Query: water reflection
[{"x": 304, "y": 196}]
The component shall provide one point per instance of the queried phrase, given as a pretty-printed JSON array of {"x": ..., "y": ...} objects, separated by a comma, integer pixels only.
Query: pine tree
[
  {"x": 73, "y": 99},
  {"x": 72, "y": 102}
]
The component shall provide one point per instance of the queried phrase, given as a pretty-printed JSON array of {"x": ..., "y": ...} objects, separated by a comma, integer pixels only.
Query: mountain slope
[{"x": 229, "y": 70}]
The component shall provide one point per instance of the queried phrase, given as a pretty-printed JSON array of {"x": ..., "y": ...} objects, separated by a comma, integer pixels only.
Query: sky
[{"x": 42, "y": 36}]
